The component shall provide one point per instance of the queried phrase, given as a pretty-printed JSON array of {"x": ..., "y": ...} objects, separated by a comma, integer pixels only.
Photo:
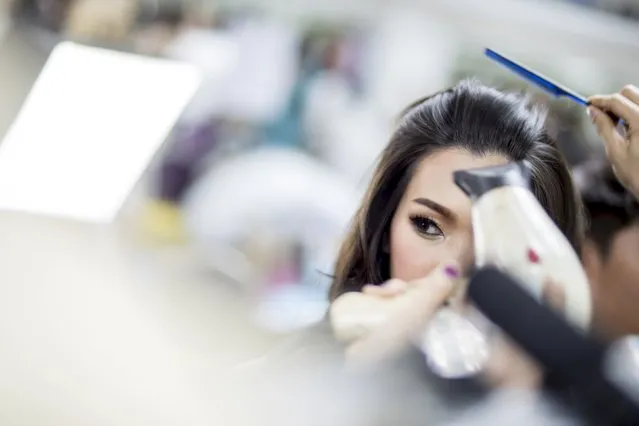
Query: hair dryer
[
  {"x": 599, "y": 382},
  {"x": 513, "y": 232}
]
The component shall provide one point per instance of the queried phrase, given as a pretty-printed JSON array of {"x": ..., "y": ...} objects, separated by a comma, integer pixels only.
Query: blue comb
[
  {"x": 544, "y": 82},
  {"x": 537, "y": 78}
]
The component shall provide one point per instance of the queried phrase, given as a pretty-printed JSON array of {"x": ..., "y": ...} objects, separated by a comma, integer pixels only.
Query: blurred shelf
[
  {"x": 536, "y": 27},
  {"x": 542, "y": 25}
]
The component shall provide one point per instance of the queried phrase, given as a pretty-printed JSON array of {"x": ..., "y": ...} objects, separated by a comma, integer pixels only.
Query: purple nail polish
[{"x": 451, "y": 271}]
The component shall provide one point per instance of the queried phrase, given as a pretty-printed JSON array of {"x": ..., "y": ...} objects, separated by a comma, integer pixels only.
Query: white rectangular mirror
[{"x": 88, "y": 130}]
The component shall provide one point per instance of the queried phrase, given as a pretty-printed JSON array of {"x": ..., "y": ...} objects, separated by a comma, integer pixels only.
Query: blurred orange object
[{"x": 100, "y": 20}]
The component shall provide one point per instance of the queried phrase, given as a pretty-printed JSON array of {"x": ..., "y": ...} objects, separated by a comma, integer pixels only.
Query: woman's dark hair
[
  {"x": 473, "y": 117},
  {"x": 609, "y": 206}
]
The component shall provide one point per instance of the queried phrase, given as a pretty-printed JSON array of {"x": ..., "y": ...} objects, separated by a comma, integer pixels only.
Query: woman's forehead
[{"x": 433, "y": 177}]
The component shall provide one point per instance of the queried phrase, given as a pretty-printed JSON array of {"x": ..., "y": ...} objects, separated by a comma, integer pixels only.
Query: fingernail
[
  {"x": 591, "y": 113},
  {"x": 451, "y": 272}
]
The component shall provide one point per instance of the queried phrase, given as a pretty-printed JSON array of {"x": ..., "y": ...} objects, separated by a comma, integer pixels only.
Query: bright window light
[{"x": 88, "y": 130}]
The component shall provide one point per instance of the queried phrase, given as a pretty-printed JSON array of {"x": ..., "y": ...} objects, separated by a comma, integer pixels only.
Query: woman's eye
[{"x": 426, "y": 226}]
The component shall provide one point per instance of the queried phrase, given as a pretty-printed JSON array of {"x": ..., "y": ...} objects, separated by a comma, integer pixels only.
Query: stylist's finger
[
  {"x": 631, "y": 92},
  {"x": 411, "y": 313},
  {"x": 619, "y": 105},
  {"x": 390, "y": 288},
  {"x": 440, "y": 282},
  {"x": 554, "y": 295},
  {"x": 616, "y": 145}
]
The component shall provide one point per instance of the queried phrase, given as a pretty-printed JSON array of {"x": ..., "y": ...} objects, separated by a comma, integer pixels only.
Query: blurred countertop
[{"x": 100, "y": 327}]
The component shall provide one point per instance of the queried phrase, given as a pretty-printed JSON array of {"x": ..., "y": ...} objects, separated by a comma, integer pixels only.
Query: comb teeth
[{"x": 536, "y": 78}]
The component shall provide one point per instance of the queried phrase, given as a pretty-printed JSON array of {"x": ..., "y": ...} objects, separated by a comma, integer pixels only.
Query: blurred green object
[{"x": 50, "y": 15}]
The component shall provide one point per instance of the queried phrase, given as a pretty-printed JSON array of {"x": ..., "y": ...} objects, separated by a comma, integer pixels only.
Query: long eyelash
[
  {"x": 425, "y": 218},
  {"x": 428, "y": 220}
]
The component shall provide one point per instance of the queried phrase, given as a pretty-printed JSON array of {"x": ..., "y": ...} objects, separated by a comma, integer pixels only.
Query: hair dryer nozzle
[{"x": 477, "y": 182}]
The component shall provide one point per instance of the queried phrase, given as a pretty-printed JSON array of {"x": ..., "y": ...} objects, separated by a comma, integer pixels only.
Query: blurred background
[{"x": 223, "y": 240}]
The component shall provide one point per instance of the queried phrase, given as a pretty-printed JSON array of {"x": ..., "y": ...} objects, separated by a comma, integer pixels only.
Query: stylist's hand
[
  {"x": 415, "y": 304},
  {"x": 622, "y": 148},
  {"x": 508, "y": 366}
]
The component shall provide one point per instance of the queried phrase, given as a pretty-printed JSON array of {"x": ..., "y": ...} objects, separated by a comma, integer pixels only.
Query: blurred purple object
[{"x": 179, "y": 168}]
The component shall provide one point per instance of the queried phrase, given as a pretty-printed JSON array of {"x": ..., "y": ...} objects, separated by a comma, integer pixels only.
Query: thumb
[
  {"x": 440, "y": 281},
  {"x": 410, "y": 313},
  {"x": 429, "y": 293}
]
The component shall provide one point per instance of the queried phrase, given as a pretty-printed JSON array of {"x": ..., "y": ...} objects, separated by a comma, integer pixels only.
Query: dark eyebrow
[{"x": 444, "y": 211}]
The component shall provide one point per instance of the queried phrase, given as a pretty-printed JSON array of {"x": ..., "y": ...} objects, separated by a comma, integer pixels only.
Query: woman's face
[{"x": 432, "y": 224}]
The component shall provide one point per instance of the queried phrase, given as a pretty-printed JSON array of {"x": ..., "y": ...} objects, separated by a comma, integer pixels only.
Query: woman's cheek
[{"x": 411, "y": 256}]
